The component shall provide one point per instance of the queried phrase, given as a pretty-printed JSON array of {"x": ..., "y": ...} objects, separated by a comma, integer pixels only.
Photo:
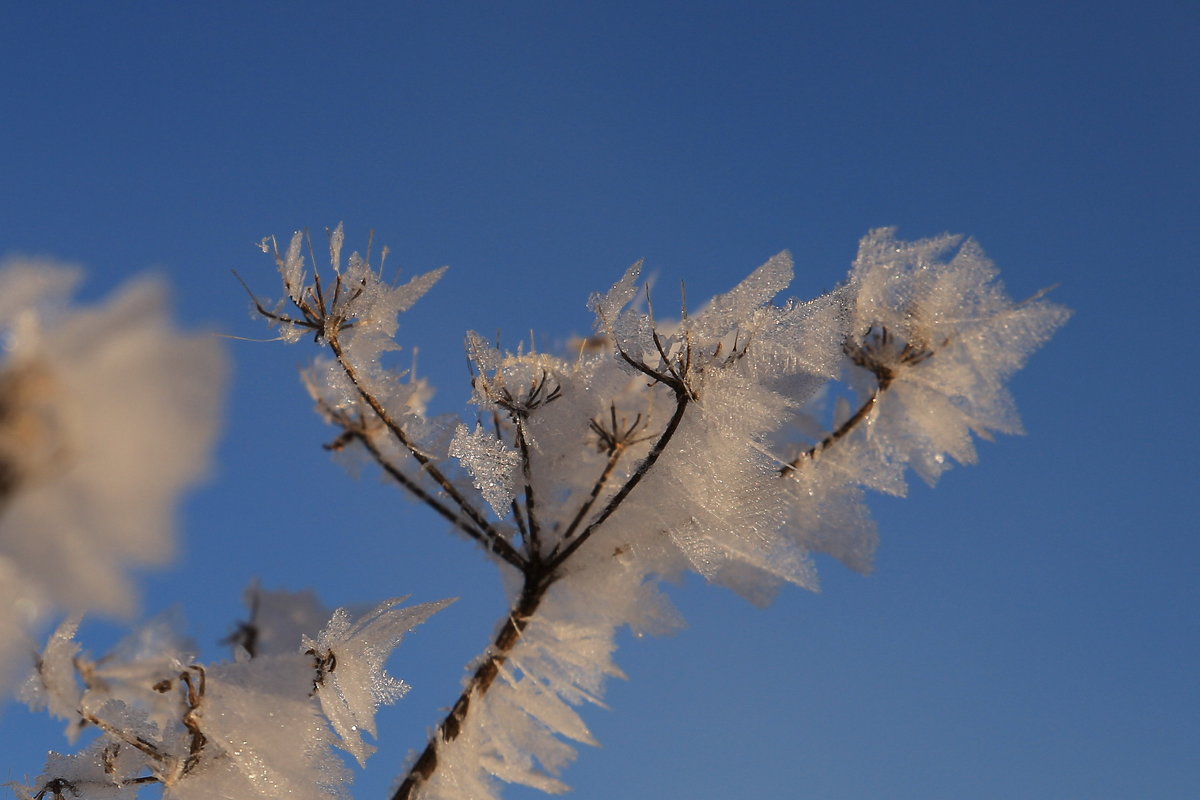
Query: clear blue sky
[{"x": 1031, "y": 629}]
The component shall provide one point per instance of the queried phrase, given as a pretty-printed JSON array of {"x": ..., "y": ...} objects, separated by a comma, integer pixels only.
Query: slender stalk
[
  {"x": 533, "y": 543},
  {"x": 539, "y": 577},
  {"x": 597, "y": 487},
  {"x": 883, "y": 356},
  {"x": 843, "y": 430},
  {"x": 514, "y": 506},
  {"x": 133, "y": 740}
]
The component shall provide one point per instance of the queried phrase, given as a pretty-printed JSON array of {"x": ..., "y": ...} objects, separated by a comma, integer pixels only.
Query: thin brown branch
[
  {"x": 881, "y": 354},
  {"x": 61, "y": 788},
  {"x": 682, "y": 398},
  {"x": 146, "y": 746},
  {"x": 273, "y": 316},
  {"x": 597, "y": 487},
  {"x": 843, "y": 430},
  {"x": 427, "y": 464},
  {"x": 195, "y": 693},
  {"x": 615, "y": 439},
  {"x": 533, "y": 542},
  {"x": 539, "y": 576},
  {"x": 496, "y": 544},
  {"x": 514, "y": 506}
]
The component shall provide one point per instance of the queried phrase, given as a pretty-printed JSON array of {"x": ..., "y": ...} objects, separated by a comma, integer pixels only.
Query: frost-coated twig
[
  {"x": 497, "y": 545},
  {"x": 61, "y": 788},
  {"x": 485, "y": 674},
  {"x": 594, "y": 494},
  {"x": 327, "y": 319},
  {"x": 842, "y": 431},
  {"x": 881, "y": 355},
  {"x": 533, "y": 532},
  {"x": 558, "y": 558},
  {"x": 900, "y": 306},
  {"x": 539, "y": 576}
]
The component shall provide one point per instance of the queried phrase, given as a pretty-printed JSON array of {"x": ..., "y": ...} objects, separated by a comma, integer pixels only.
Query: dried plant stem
[
  {"x": 597, "y": 487},
  {"x": 497, "y": 545},
  {"x": 427, "y": 465},
  {"x": 133, "y": 740},
  {"x": 682, "y": 397},
  {"x": 533, "y": 545},
  {"x": 881, "y": 355},
  {"x": 539, "y": 577}
]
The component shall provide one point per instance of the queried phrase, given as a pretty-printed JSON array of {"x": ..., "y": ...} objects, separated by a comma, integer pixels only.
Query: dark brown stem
[
  {"x": 883, "y": 355},
  {"x": 133, "y": 740},
  {"x": 533, "y": 544},
  {"x": 597, "y": 487},
  {"x": 539, "y": 576},
  {"x": 481, "y": 681},
  {"x": 195, "y": 693},
  {"x": 514, "y": 506}
]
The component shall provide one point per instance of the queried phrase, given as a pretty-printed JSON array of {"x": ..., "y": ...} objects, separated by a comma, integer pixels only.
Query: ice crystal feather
[{"x": 350, "y": 655}]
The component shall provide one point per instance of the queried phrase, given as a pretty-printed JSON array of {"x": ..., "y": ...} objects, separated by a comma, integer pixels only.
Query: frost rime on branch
[{"x": 685, "y": 445}]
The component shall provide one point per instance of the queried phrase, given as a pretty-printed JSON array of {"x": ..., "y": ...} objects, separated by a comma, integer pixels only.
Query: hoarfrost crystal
[{"x": 351, "y": 655}]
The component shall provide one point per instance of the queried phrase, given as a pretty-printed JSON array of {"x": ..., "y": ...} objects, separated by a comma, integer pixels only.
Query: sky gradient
[{"x": 1031, "y": 627}]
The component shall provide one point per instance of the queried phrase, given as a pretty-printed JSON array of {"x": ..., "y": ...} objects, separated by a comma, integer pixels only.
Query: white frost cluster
[
  {"x": 355, "y": 305},
  {"x": 106, "y": 415},
  {"x": 262, "y": 726},
  {"x": 491, "y": 462},
  {"x": 940, "y": 296}
]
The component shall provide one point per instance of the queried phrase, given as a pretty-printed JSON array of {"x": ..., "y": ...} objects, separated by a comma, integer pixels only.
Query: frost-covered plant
[
  {"x": 712, "y": 443},
  {"x": 106, "y": 415},
  {"x": 655, "y": 449}
]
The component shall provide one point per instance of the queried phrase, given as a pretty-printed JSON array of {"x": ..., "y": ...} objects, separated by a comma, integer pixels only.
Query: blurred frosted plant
[
  {"x": 106, "y": 415},
  {"x": 697, "y": 444}
]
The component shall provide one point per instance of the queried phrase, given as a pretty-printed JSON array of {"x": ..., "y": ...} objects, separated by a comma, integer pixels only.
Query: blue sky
[{"x": 1031, "y": 627}]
